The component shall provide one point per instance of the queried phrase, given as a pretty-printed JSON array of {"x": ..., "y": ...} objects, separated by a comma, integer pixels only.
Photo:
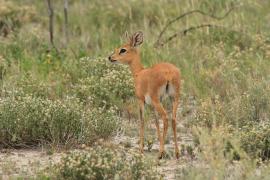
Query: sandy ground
[{"x": 25, "y": 162}]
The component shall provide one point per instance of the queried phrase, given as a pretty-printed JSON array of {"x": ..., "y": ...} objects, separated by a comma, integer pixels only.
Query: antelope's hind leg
[
  {"x": 159, "y": 108},
  {"x": 157, "y": 125},
  {"x": 174, "y": 112}
]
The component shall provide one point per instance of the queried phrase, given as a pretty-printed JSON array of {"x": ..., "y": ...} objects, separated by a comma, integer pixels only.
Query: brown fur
[{"x": 149, "y": 83}]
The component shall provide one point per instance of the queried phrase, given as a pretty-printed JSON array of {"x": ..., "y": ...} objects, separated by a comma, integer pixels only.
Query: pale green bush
[
  {"x": 103, "y": 83},
  {"x": 105, "y": 163},
  {"x": 3, "y": 67},
  {"x": 29, "y": 85},
  {"x": 221, "y": 157},
  {"x": 255, "y": 140},
  {"x": 12, "y": 16},
  {"x": 251, "y": 118},
  {"x": 247, "y": 115},
  {"x": 33, "y": 120},
  {"x": 103, "y": 121}
]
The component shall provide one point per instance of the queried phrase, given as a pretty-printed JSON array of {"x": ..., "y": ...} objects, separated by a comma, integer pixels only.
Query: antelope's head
[{"x": 127, "y": 52}]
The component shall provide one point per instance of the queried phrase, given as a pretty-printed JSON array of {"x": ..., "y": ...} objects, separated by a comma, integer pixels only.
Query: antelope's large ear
[
  {"x": 136, "y": 39},
  {"x": 126, "y": 35}
]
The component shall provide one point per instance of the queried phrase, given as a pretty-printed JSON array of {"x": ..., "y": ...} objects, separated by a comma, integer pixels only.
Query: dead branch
[
  {"x": 66, "y": 21},
  {"x": 51, "y": 22},
  {"x": 190, "y": 13},
  {"x": 185, "y": 31}
]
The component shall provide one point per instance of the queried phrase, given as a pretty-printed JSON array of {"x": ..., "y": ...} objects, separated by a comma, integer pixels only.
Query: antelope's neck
[{"x": 136, "y": 66}]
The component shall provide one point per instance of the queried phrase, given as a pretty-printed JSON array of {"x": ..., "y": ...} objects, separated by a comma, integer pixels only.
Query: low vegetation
[
  {"x": 105, "y": 163},
  {"x": 35, "y": 121},
  {"x": 103, "y": 84}
]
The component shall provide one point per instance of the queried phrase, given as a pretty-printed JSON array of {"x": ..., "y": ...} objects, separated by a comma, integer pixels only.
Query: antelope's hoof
[
  {"x": 161, "y": 155},
  {"x": 177, "y": 155},
  {"x": 141, "y": 150}
]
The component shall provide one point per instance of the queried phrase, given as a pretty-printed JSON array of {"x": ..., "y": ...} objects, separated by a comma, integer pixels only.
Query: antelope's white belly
[
  {"x": 147, "y": 99},
  {"x": 163, "y": 93}
]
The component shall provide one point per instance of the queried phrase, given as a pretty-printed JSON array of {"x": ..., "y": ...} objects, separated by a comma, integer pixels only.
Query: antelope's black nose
[{"x": 111, "y": 59}]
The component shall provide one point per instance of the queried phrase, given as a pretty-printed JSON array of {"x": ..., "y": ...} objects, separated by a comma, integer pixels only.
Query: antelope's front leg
[{"x": 141, "y": 126}]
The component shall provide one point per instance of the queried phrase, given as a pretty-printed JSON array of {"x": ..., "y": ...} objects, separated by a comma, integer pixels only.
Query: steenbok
[{"x": 151, "y": 86}]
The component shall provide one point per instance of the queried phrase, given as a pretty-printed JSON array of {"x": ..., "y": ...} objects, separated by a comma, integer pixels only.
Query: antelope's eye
[{"x": 122, "y": 51}]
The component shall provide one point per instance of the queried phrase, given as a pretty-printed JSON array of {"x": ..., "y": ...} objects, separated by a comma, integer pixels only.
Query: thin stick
[
  {"x": 185, "y": 31},
  {"x": 66, "y": 21},
  {"x": 51, "y": 22},
  {"x": 189, "y": 13}
]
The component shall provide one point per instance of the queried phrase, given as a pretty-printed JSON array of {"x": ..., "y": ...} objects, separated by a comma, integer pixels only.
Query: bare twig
[
  {"x": 51, "y": 22},
  {"x": 189, "y": 13},
  {"x": 66, "y": 21},
  {"x": 185, "y": 31}
]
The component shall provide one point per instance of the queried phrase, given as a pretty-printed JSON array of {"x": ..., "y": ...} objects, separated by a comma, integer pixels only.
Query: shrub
[
  {"x": 255, "y": 105},
  {"x": 32, "y": 120},
  {"x": 12, "y": 16},
  {"x": 104, "y": 163},
  {"x": 255, "y": 140},
  {"x": 104, "y": 83},
  {"x": 253, "y": 120},
  {"x": 28, "y": 85},
  {"x": 104, "y": 122},
  {"x": 209, "y": 113},
  {"x": 247, "y": 116},
  {"x": 220, "y": 156},
  {"x": 3, "y": 67}
]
